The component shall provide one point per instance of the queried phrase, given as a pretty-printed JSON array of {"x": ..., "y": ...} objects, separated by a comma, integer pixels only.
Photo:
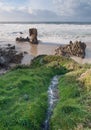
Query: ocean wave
[{"x": 53, "y": 33}]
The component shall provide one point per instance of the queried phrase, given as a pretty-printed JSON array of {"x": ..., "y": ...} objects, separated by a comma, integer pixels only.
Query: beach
[
  {"x": 50, "y": 36},
  {"x": 49, "y": 49},
  {"x": 33, "y": 50}
]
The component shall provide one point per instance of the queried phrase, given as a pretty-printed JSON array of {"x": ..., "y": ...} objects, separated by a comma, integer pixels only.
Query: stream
[{"x": 52, "y": 100}]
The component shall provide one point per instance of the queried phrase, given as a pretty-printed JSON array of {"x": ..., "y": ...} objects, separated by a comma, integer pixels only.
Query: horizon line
[{"x": 63, "y": 22}]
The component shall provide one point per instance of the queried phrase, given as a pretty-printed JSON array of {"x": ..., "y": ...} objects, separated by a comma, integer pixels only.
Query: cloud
[
  {"x": 56, "y": 10},
  {"x": 5, "y": 7},
  {"x": 25, "y": 13},
  {"x": 73, "y": 8}
]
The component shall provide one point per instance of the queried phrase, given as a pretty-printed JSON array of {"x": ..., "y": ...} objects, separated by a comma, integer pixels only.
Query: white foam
[{"x": 53, "y": 33}]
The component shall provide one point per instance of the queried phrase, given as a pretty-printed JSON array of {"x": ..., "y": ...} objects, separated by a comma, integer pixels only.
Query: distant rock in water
[
  {"x": 8, "y": 55},
  {"x": 33, "y": 35},
  {"x": 32, "y": 39},
  {"x": 72, "y": 49}
]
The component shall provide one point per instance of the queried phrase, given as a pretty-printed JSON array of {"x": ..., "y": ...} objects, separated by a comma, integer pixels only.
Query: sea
[{"x": 48, "y": 32}]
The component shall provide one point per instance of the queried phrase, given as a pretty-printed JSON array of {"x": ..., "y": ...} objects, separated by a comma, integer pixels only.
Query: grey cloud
[
  {"x": 73, "y": 8},
  {"x": 33, "y": 15}
]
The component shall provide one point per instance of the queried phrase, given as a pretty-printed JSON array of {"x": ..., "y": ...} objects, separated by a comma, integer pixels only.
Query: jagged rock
[
  {"x": 2, "y": 61},
  {"x": 33, "y": 35},
  {"x": 20, "y": 39},
  {"x": 8, "y": 55},
  {"x": 72, "y": 49}
]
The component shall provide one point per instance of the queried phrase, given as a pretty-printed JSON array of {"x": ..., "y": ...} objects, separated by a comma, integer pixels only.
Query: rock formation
[
  {"x": 72, "y": 49},
  {"x": 8, "y": 55},
  {"x": 21, "y": 39},
  {"x": 33, "y": 35}
]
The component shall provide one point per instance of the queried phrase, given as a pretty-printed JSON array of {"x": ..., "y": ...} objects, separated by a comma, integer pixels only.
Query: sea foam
[{"x": 47, "y": 33}]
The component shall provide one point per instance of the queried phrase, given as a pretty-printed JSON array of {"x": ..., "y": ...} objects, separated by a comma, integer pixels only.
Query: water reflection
[{"x": 34, "y": 49}]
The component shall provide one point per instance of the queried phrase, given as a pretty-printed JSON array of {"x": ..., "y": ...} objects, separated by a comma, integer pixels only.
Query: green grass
[
  {"x": 74, "y": 106},
  {"x": 23, "y": 95},
  {"x": 23, "y": 98}
]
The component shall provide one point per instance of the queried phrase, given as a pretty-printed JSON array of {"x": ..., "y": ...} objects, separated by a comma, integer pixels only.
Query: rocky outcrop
[
  {"x": 72, "y": 49},
  {"x": 21, "y": 39},
  {"x": 8, "y": 55},
  {"x": 33, "y": 35}
]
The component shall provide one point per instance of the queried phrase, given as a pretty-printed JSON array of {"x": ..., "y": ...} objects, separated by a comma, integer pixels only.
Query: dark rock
[
  {"x": 33, "y": 35},
  {"x": 25, "y": 52},
  {"x": 8, "y": 55},
  {"x": 20, "y": 39},
  {"x": 2, "y": 61},
  {"x": 9, "y": 44},
  {"x": 72, "y": 49},
  {"x": 21, "y": 32},
  {"x": 17, "y": 58}
]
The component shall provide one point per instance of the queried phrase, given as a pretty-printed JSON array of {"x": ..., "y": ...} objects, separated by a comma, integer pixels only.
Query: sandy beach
[{"x": 34, "y": 50}]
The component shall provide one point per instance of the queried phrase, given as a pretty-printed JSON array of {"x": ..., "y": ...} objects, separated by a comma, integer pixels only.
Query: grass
[
  {"x": 74, "y": 106},
  {"x": 23, "y": 98},
  {"x": 23, "y": 95}
]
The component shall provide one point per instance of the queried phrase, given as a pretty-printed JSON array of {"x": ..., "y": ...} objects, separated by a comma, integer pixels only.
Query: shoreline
[
  {"x": 44, "y": 48},
  {"x": 49, "y": 49}
]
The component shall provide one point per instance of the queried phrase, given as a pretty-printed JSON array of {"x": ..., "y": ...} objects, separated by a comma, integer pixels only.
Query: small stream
[{"x": 52, "y": 100}]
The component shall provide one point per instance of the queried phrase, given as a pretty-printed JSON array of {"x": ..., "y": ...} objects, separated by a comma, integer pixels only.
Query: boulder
[
  {"x": 21, "y": 39},
  {"x": 8, "y": 55},
  {"x": 33, "y": 35},
  {"x": 72, "y": 49}
]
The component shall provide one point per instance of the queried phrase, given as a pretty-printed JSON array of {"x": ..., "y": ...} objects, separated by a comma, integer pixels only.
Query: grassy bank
[
  {"x": 73, "y": 111},
  {"x": 23, "y": 95}
]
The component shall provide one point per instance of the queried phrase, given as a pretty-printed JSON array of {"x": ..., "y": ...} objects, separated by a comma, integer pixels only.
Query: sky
[{"x": 45, "y": 10}]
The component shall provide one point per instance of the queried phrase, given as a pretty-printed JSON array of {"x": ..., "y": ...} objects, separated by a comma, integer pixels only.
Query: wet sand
[
  {"x": 49, "y": 49},
  {"x": 38, "y": 49},
  {"x": 35, "y": 50}
]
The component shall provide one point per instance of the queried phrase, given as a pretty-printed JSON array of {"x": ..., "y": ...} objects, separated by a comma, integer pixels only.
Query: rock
[
  {"x": 2, "y": 61},
  {"x": 17, "y": 58},
  {"x": 20, "y": 39},
  {"x": 8, "y": 55},
  {"x": 32, "y": 39},
  {"x": 21, "y": 32},
  {"x": 25, "y": 52},
  {"x": 33, "y": 35},
  {"x": 72, "y": 49}
]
